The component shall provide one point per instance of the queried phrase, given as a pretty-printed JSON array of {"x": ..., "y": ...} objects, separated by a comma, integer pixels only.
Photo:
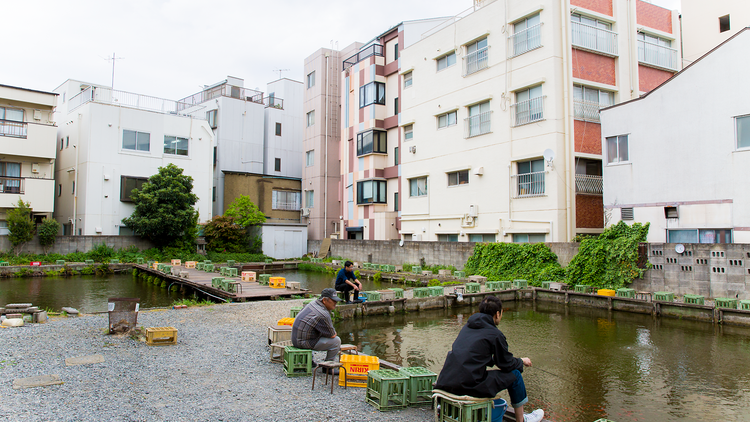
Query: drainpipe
[
  {"x": 569, "y": 204},
  {"x": 325, "y": 160},
  {"x": 75, "y": 179}
]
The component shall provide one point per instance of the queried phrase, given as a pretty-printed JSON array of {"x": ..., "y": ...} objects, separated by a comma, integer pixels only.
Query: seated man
[
  {"x": 481, "y": 344},
  {"x": 347, "y": 282},
  {"x": 313, "y": 327}
]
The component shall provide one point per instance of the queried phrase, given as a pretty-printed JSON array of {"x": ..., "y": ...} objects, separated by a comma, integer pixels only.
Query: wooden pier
[{"x": 201, "y": 281}]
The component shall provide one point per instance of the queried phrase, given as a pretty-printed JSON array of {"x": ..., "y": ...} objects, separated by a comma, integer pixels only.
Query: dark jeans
[
  {"x": 346, "y": 288},
  {"x": 517, "y": 391}
]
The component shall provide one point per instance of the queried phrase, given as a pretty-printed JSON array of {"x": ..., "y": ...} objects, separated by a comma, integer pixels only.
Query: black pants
[{"x": 346, "y": 288}]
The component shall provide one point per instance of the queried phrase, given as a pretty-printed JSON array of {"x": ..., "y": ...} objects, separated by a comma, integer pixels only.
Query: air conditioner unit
[
  {"x": 305, "y": 212},
  {"x": 473, "y": 210}
]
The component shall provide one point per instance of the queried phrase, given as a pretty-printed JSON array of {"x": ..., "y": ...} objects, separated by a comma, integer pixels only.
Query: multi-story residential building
[
  {"x": 111, "y": 142},
  {"x": 681, "y": 166},
  {"x": 706, "y": 24},
  {"x": 501, "y": 139},
  {"x": 28, "y": 135}
]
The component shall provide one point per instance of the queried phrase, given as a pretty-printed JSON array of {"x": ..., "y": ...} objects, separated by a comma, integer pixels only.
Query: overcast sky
[{"x": 171, "y": 48}]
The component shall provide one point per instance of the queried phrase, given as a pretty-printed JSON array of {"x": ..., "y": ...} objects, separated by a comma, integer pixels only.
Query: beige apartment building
[
  {"x": 27, "y": 151},
  {"x": 706, "y": 24}
]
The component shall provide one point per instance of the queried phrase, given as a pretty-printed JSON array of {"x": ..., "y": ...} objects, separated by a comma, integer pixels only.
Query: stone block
[
  {"x": 72, "y": 312},
  {"x": 84, "y": 360},
  {"x": 37, "y": 381}
]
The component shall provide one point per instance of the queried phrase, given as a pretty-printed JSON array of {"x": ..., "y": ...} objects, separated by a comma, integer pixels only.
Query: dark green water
[
  {"x": 316, "y": 281},
  {"x": 620, "y": 366}
]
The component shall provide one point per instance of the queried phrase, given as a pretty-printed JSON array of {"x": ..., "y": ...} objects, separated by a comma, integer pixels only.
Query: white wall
[
  {"x": 289, "y": 146},
  {"x": 700, "y": 24},
  {"x": 284, "y": 241}
]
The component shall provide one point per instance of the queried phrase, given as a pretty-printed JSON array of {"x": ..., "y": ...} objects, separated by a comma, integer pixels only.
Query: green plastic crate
[
  {"x": 263, "y": 279},
  {"x": 459, "y": 274},
  {"x": 399, "y": 292},
  {"x": 416, "y": 269},
  {"x": 726, "y": 302},
  {"x": 491, "y": 286},
  {"x": 505, "y": 285},
  {"x": 583, "y": 288},
  {"x": 140, "y": 261},
  {"x": 166, "y": 269},
  {"x": 664, "y": 296},
  {"x": 231, "y": 286},
  {"x": 451, "y": 411},
  {"x": 745, "y": 305},
  {"x": 209, "y": 268},
  {"x": 386, "y": 389},
  {"x": 60, "y": 262},
  {"x": 207, "y": 261},
  {"x": 372, "y": 296},
  {"x": 230, "y": 262},
  {"x": 268, "y": 261},
  {"x": 625, "y": 292},
  {"x": 297, "y": 362},
  {"x": 217, "y": 282},
  {"x": 546, "y": 284},
  {"x": 294, "y": 311},
  {"x": 472, "y": 287},
  {"x": 7, "y": 264},
  {"x": 437, "y": 290},
  {"x": 694, "y": 299},
  {"x": 421, "y": 292},
  {"x": 520, "y": 284},
  {"x": 388, "y": 268},
  {"x": 419, "y": 388},
  {"x": 199, "y": 266}
]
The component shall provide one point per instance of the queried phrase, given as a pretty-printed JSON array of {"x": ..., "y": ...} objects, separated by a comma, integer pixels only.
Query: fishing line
[{"x": 552, "y": 373}]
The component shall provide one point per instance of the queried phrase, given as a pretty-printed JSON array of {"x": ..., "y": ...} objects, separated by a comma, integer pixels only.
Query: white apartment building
[
  {"x": 110, "y": 142},
  {"x": 283, "y": 129},
  {"x": 706, "y": 24},
  {"x": 27, "y": 151},
  {"x": 501, "y": 139},
  {"x": 679, "y": 157}
]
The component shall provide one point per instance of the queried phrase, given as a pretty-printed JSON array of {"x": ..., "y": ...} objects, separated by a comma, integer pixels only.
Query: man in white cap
[{"x": 313, "y": 327}]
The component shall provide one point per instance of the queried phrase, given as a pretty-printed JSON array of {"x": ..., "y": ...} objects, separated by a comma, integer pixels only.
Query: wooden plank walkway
[{"x": 201, "y": 280}]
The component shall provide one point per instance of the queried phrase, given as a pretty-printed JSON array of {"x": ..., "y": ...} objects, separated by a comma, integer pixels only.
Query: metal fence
[
  {"x": 585, "y": 110},
  {"x": 528, "y": 111},
  {"x": 478, "y": 125},
  {"x": 476, "y": 61},
  {"x": 286, "y": 206},
  {"x": 657, "y": 55},
  {"x": 13, "y": 128},
  {"x": 273, "y": 102},
  {"x": 589, "y": 184},
  {"x": 593, "y": 38},
  {"x": 223, "y": 90},
  {"x": 372, "y": 50},
  {"x": 528, "y": 184},
  {"x": 526, "y": 40},
  {"x": 106, "y": 95}
]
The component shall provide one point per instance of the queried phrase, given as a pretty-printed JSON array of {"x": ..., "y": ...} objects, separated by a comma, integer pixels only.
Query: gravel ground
[{"x": 219, "y": 370}]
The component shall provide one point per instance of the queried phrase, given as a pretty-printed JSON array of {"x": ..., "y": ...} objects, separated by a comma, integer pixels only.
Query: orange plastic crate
[
  {"x": 248, "y": 276},
  {"x": 277, "y": 282},
  {"x": 286, "y": 321},
  {"x": 156, "y": 336},
  {"x": 357, "y": 367}
]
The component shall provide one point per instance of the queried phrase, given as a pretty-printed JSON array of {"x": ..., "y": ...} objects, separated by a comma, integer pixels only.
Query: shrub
[
  {"x": 47, "y": 232},
  {"x": 507, "y": 261}
]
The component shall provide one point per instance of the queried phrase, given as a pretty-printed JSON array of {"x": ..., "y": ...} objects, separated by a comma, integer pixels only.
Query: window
[
  {"x": 482, "y": 238},
  {"x": 395, "y": 106},
  {"x": 285, "y": 200},
  {"x": 395, "y": 51},
  {"x": 409, "y": 132},
  {"x": 447, "y": 238},
  {"x": 372, "y": 93},
  {"x": 278, "y": 129},
  {"x": 59, "y": 190},
  {"x": 311, "y": 118},
  {"x": 723, "y": 24},
  {"x": 530, "y": 178},
  {"x": 67, "y": 141},
  {"x": 309, "y": 198},
  {"x": 529, "y": 106},
  {"x": 743, "y": 131},
  {"x": 127, "y": 184},
  {"x": 311, "y": 80},
  {"x": 395, "y": 156},
  {"x": 125, "y": 231},
  {"x": 277, "y": 164},
  {"x": 593, "y": 34},
  {"x": 700, "y": 236},
  {"x": 587, "y": 102},
  {"x": 213, "y": 194},
  {"x": 11, "y": 123},
  {"x": 310, "y": 158},
  {"x": 458, "y": 178},
  {"x": 407, "y": 80},
  {"x": 476, "y": 57},
  {"x": 372, "y": 141},
  {"x": 215, "y": 154},
  {"x": 11, "y": 114},
  {"x": 617, "y": 149},
  {"x": 527, "y": 35},
  {"x": 656, "y": 51},
  {"x": 10, "y": 177},
  {"x": 73, "y": 191},
  {"x": 211, "y": 117},
  {"x": 447, "y": 119},
  {"x": 371, "y": 192},
  {"x": 529, "y": 237},
  {"x": 478, "y": 122},
  {"x": 137, "y": 141},
  {"x": 395, "y": 201},
  {"x": 62, "y": 143},
  {"x": 446, "y": 61},
  {"x": 418, "y": 186},
  {"x": 175, "y": 145}
]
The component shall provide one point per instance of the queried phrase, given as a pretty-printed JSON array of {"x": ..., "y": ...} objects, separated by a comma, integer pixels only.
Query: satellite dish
[
  {"x": 401, "y": 243},
  {"x": 549, "y": 155},
  {"x": 679, "y": 248}
]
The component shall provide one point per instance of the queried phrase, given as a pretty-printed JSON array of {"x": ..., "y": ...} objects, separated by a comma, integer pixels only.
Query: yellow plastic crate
[
  {"x": 286, "y": 321},
  {"x": 176, "y": 262},
  {"x": 159, "y": 336},
  {"x": 606, "y": 292},
  {"x": 248, "y": 276},
  {"x": 277, "y": 282},
  {"x": 357, "y": 367}
]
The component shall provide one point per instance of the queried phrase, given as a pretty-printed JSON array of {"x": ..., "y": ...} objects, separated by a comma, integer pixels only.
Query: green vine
[{"x": 509, "y": 261}]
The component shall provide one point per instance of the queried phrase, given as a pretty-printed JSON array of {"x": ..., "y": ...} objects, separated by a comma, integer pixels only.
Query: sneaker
[{"x": 535, "y": 416}]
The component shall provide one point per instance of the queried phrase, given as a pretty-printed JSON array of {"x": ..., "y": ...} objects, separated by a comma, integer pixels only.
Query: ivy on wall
[{"x": 533, "y": 262}]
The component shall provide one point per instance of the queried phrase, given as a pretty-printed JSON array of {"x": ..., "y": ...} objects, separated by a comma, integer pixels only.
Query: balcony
[
  {"x": 372, "y": 50},
  {"x": 526, "y": 40},
  {"x": 529, "y": 111},
  {"x": 655, "y": 55},
  {"x": 476, "y": 61},
  {"x": 585, "y": 110},
  {"x": 589, "y": 184},
  {"x": 28, "y": 139},
  {"x": 13, "y": 129},
  {"x": 477, "y": 125},
  {"x": 528, "y": 185},
  {"x": 223, "y": 90},
  {"x": 12, "y": 185},
  {"x": 273, "y": 102},
  {"x": 595, "y": 39},
  {"x": 38, "y": 192}
]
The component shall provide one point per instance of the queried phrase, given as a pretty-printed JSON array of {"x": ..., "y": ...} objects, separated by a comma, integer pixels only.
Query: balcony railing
[
  {"x": 585, "y": 110},
  {"x": 526, "y": 40},
  {"x": 528, "y": 111},
  {"x": 13, "y": 129},
  {"x": 476, "y": 61},
  {"x": 589, "y": 184},
  {"x": 592, "y": 38},
  {"x": 478, "y": 125},
  {"x": 273, "y": 102},
  {"x": 106, "y": 95},
  {"x": 12, "y": 185},
  {"x": 286, "y": 206},
  {"x": 372, "y": 50},
  {"x": 657, "y": 55},
  {"x": 528, "y": 185},
  {"x": 223, "y": 90}
]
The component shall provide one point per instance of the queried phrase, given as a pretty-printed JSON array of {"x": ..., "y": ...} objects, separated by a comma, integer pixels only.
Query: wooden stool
[
  {"x": 330, "y": 365},
  {"x": 349, "y": 349}
]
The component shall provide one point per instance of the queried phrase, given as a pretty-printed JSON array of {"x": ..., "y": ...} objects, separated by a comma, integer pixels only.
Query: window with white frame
[
  {"x": 446, "y": 61},
  {"x": 11, "y": 123},
  {"x": 529, "y": 106},
  {"x": 372, "y": 93},
  {"x": 418, "y": 186},
  {"x": 529, "y": 237},
  {"x": 136, "y": 141},
  {"x": 743, "y": 131},
  {"x": 309, "y": 199},
  {"x": 175, "y": 145},
  {"x": 310, "y": 158},
  {"x": 211, "y": 117},
  {"x": 460, "y": 177},
  {"x": 285, "y": 200},
  {"x": 478, "y": 122},
  {"x": 657, "y": 51},
  {"x": 311, "y": 118},
  {"x": 530, "y": 178},
  {"x": 587, "y": 102},
  {"x": 447, "y": 119},
  {"x": 593, "y": 34},
  {"x": 617, "y": 149},
  {"x": 311, "y": 79},
  {"x": 477, "y": 57},
  {"x": 482, "y": 237},
  {"x": 527, "y": 35},
  {"x": 11, "y": 114},
  {"x": 407, "y": 80},
  {"x": 408, "y": 132},
  {"x": 372, "y": 192},
  {"x": 700, "y": 236}
]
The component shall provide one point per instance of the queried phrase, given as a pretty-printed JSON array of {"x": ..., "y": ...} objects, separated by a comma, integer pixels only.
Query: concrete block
[
  {"x": 37, "y": 381},
  {"x": 84, "y": 360},
  {"x": 72, "y": 312}
]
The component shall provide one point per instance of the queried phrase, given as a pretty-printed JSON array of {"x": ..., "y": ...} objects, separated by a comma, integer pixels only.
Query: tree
[
  {"x": 20, "y": 225},
  {"x": 164, "y": 212},
  {"x": 245, "y": 212},
  {"x": 47, "y": 232},
  {"x": 224, "y": 235}
]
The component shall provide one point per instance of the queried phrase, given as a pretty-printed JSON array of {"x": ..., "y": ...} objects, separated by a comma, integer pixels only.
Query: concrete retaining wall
[{"x": 69, "y": 244}]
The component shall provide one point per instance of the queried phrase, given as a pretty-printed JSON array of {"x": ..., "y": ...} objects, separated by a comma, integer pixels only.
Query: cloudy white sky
[{"x": 170, "y": 48}]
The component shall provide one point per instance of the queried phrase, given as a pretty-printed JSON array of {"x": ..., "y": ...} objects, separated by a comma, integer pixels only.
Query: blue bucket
[{"x": 498, "y": 409}]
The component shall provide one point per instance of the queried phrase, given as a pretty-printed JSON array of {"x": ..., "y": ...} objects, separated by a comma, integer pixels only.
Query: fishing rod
[{"x": 552, "y": 373}]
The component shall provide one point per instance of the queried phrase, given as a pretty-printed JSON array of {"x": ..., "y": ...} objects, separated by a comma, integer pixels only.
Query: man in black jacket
[{"x": 481, "y": 344}]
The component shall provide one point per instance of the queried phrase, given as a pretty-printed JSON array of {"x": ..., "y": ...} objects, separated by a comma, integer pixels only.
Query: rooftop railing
[
  {"x": 589, "y": 184},
  {"x": 13, "y": 129},
  {"x": 592, "y": 38},
  {"x": 273, "y": 102},
  {"x": 104, "y": 95},
  {"x": 372, "y": 50},
  {"x": 223, "y": 90}
]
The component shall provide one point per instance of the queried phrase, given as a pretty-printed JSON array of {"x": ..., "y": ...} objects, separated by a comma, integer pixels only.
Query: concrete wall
[{"x": 68, "y": 244}]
